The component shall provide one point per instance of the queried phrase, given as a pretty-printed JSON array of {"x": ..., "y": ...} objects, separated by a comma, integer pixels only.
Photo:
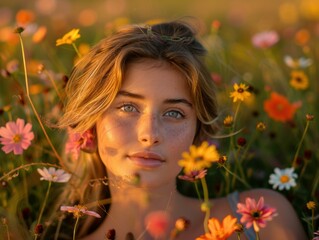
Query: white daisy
[
  {"x": 54, "y": 175},
  {"x": 283, "y": 178}
]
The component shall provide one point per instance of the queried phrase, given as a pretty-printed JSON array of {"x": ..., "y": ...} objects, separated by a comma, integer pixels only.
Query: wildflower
[
  {"x": 24, "y": 17},
  {"x": 181, "y": 225},
  {"x": 39, "y": 35},
  {"x": 193, "y": 175},
  {"x": 241, "y": 141},
  {"x": 16, "y": 136},
  {"x": 69, "y": 37},
  {"x": 311, "y": 205},
  {"x": 78, "y": 141},
  {"x": 297, "y": 63},
  {"x": 254, "y": 214},
  {"x": 53, "y": 175},
  {"x": 38, "y": 229},
  {"x": 220, "y": 231},
  {"x": 309, "y": 117},
  {"x": 240, "y": 92},
  {"x": 79, "y": 211},
  {"x": 157, "y": 223},
  {"x": 199, "y": 158},
  {"x": 261, "y": 126},
  {"x": 265, "y": 39},
  {"x": 316, "y": 234},
  {"x": 302, "y": 37},
  {"x": 228, "y": 121},
  {"x": 299, "y": 80},
  {"x": 279, "y": 108},
  {"x": 283, "y": 178}
]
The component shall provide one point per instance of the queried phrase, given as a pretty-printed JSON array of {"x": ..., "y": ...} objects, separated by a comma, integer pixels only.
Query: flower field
[{"x": 267, "y": 85}]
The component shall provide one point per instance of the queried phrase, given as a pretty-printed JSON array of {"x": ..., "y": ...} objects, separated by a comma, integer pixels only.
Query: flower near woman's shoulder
[
  {"x": 16, "y": 136},
  {"x": 79, "y": 141},
  {"x": 279, "y": 108},
  {"x": 79, "y": 211},
  {"x": 240, "y": 92},
  {"x": 69, "y": 37},
  {"x": 199, "y": 158},
  {"x": 254, "y": 214},
  {"x": 220, "y": 230},
  {"x": 283, "y": 178},
  {"x": 54, "y": 175}
]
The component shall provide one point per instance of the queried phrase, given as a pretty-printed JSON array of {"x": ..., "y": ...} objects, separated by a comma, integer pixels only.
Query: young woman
[{"x": 147, "y": 96}]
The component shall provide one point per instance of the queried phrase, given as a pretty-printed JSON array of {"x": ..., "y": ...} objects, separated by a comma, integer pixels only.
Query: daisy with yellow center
[
  {"x": 69, "y": 37},
  {"x": 299, "y": 80},
  {"x": 199, "y": 158},
  {"x": 283, "y": 178},
  {"x": 240, "y": 92}
]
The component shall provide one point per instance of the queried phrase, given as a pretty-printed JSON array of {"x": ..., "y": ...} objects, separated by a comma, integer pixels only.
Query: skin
[{"x": 154, "y": 113}]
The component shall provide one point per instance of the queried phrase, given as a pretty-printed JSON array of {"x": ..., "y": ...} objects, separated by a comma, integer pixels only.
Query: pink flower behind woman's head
[
  {"x": 265, "y": 39},
  {"x": 254, "y": 214},
  {"x": 157, "y": 223},
  {"x": 78, "y": 141},
  {"x": 16, "y": 136}
]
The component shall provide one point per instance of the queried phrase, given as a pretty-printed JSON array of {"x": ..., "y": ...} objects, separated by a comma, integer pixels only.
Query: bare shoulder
[{"x": 286, "y": 225}]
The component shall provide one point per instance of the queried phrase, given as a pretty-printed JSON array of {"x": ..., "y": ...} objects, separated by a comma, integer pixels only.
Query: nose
[{"x": 149, "y": 129}]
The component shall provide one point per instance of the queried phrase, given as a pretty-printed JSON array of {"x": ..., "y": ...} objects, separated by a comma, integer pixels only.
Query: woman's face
[{"x": 150, "y": 123}]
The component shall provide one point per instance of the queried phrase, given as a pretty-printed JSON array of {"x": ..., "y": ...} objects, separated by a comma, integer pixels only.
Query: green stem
[
  {"x": 197, "y": 191},
  {"x": 238, "y": 236},
  {"x": 236, "y": 176},
  {"x": 76, "y": 50},
  {"x": 294, "y": 163},
  {"x": 75, "y": 227},
  {"x": 44, "y": 203},
  {"x": 206, "y": 201},
  {"x": 257, "y": 236},
  {"x": 315, "y": 185},
  {"x": 33, "y": 107}
]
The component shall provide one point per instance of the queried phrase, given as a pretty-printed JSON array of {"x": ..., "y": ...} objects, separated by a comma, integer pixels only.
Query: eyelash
[{"x": 124, "y": 105}]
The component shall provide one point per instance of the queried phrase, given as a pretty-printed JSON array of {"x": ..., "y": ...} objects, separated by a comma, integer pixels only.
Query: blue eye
[
  {"x": 128, "y": 108},
  {"x": 174, "y": 114}
]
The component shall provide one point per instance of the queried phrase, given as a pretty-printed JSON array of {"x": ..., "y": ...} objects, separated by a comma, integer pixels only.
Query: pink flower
[
  {"x": 255, "y": 214},
  {"x": 79, "y": 211},
  {"x": 53, "y": 175},
  {"x": 157, "y": 223},
  {"x": 193, "y": 175},
  {"x": 16, "y": 136},
  {"x": 78, "y": 141},
  {"x": 265, "y": 39}
]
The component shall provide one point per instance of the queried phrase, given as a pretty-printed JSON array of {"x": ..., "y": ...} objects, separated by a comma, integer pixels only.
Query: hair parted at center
[{"x": 97, "y": 77}]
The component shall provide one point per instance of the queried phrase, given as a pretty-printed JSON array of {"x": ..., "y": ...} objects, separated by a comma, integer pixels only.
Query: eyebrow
[{"x": 168, "y": 101}]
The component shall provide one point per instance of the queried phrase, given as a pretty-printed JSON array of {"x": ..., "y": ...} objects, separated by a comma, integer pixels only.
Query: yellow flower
[
  {"x": 69, "y": 37},
  {"x": 311, "y": 205},
  {"x": 228, "y": 121},
  {"x": 299, "y": 80},
  {"x": 261, "y": 126},
  {"x": 240, "y": 92},
  {"x": 199, "y": 158}
]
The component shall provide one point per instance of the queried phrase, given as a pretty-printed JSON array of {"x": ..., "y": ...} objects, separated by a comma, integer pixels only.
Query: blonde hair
[{"x": 97, "y": 78}]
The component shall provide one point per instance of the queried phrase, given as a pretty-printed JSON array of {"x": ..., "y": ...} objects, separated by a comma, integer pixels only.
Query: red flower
[
  {"x": 254, "y": 214},
  {"x": 157, "y": 223},
  {"x": 279, "y": 108}
]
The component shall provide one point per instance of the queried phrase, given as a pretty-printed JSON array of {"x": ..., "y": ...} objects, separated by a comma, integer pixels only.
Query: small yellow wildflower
[
  {"x": 199, "y": 158},
  {"x": 261, "y": 126},
  {"x": 311, "y": 205},
  {"x": 228, "y": 121},
  {"x": 240, "y": 92},
  {"x": 299, "y": 80},
  {"x": 69, "y": 37}
]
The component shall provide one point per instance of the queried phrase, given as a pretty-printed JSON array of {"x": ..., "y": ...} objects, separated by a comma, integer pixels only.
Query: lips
[{"x": 146, "y": 159}]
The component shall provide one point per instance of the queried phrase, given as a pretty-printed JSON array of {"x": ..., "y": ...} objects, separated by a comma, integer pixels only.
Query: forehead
[{"x": 155, "y": 76}]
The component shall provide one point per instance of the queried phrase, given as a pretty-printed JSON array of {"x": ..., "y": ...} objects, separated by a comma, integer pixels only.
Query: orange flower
[
  {"x": 279, "y": 108},
  {"x": 220, "y": 231},
  {"x": 24, "y": 17}
]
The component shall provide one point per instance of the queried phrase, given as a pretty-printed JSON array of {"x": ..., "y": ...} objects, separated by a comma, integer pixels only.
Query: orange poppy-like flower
[
  {"x": 279, "y": 108},
  {"x": 24, "y": 17},
  {"x": 220, "y": 231}
]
